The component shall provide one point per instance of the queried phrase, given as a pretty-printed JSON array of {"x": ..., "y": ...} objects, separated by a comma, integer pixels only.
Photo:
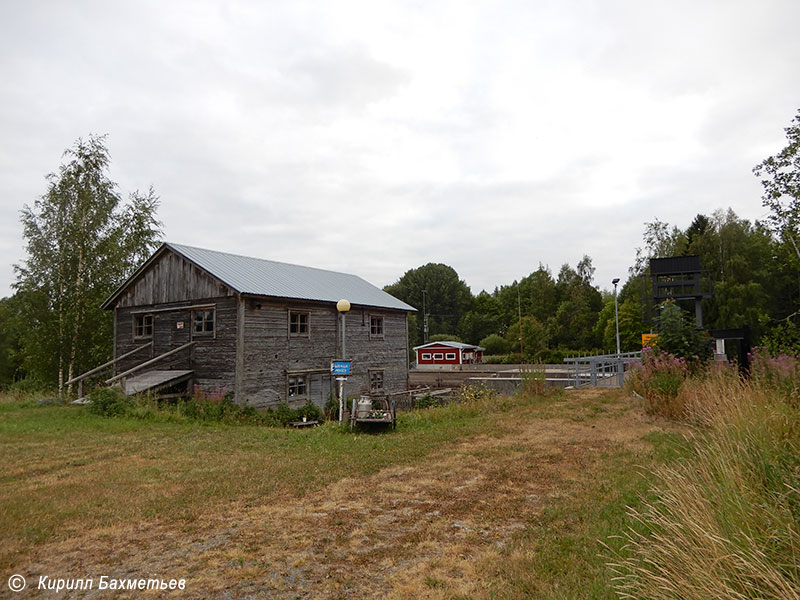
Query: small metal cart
[{"x": 374, "y": 409}]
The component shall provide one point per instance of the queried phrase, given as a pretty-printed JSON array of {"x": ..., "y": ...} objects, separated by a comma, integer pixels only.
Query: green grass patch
[{"x": 66, "y": 469}]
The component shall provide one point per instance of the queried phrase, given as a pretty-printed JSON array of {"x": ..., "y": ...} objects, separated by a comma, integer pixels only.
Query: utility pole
[
  {"x": 519, "y": 317},
  {"x": 424, "y": 318}
]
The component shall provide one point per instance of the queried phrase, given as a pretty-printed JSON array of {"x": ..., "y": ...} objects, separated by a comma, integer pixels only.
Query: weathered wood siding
[
  {"x": 171, "y": 285},
  {"x": 212, "y": 358},
  {"x": 171, "y": 278},
  {"x": 271, "y": 353}
]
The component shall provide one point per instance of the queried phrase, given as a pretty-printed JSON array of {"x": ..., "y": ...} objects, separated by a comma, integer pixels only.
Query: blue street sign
[{"x": 340, "y": 367}]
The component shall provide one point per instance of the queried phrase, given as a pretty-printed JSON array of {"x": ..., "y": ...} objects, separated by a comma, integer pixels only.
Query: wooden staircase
[{"x": 133, "y": 381}]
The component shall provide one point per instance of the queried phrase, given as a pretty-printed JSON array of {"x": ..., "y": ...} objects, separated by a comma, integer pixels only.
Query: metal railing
[{"x": 601, "y": 370}]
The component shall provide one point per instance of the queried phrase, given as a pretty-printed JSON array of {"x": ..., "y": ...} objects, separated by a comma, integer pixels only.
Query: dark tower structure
[{"x": 678, "y": 278}]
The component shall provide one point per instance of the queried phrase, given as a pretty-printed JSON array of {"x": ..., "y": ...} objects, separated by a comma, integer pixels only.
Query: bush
[
  {"x": 425, "y": 401},
  {"x": 110, "y": 402},
  {"x": 552, "y": 357},
  {"x": 29, "y": 385},
  {"x": 445, "y": 337},
  {"x": 285, "y": 414},
  {"x": 658, "y": 379},
  {"x": 784, "y": 338},
  {"x": 476, "y": 392},
  {"x": 505, "y": 359},
  {"x": 203, "y": 407},
  {"x": 494, "y": 344},
  {"x": 778, "y": 372}
]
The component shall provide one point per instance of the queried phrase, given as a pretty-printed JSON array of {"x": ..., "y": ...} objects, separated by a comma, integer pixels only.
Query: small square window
[
  {"x": 298, "y": 323},
  {"x": 426, "y": 356},
  {"x": 376, "y": 381},
  {"x": 143, "y": 326},
  {"x": 203, "y": 322},
  {"x": 376, "y": 327},
  {"x": 297, "y": 386}
]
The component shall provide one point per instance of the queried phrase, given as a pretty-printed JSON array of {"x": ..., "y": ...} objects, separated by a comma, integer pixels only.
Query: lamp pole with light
[
  {"x": 615, "y": 281},
  {"x": 342, "y": 306},
  {"x": 620, "y": 367}
]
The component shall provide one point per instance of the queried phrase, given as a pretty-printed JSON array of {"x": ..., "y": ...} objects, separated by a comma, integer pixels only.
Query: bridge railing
[{"x": 601, "y": 369}]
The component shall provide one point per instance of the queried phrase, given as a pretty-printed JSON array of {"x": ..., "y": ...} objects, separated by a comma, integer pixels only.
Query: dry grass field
[{"x": 509, "y": 498}]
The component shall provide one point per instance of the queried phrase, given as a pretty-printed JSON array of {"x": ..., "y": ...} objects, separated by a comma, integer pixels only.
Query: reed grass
[{"x": 724, "y": 523}]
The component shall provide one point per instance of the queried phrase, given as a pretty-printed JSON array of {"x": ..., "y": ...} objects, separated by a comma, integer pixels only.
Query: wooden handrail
[
  {"x": 148, "y": 363},
  {"x": 104, "y": 366}
]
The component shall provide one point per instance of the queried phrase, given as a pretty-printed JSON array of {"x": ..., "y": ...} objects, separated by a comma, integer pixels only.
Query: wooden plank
[
  {"x": 148, "y": 363},
  {"x": 106, "y": 365},
  {"x": 154, "y": 379},
  {"x": 238, "y": 377},
  {"x": 147, "y": 311}
]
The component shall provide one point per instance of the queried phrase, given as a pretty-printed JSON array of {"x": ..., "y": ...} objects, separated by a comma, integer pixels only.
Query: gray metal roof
[
  {"x": 458, "y": 345},
  {"x": 262, "y": 277}
]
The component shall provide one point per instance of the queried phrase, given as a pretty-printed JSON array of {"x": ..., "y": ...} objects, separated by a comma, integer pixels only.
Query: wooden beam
[
  {"x": 238, "y": 375},
  {"x": 106, "y": 365},
  {"x": 173, "y": 309},
  {"x": 152, "y": 361}
]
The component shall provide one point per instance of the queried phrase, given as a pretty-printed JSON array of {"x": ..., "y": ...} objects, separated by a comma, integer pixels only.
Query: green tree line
[{"x": 749, "y": 268}]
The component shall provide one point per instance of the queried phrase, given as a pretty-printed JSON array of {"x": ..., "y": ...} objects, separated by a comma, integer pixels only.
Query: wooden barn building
[
  {"x": 265, "y": 331},
  {"x": 448, "y": 353}
]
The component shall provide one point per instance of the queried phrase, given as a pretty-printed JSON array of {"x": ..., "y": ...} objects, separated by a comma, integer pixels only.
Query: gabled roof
[
  {"x": 457, "y": 345},
  {"x": 260, "y": 277}
]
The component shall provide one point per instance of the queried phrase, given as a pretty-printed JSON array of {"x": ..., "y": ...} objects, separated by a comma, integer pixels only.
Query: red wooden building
[{"x": 448, "y": 353}]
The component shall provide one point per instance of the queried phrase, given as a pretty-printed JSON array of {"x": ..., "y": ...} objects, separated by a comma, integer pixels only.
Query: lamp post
[
  {"x": 342, "y": 306},
  {"x": 615, "y": 281},
  {"x": 620, "y": 366}
]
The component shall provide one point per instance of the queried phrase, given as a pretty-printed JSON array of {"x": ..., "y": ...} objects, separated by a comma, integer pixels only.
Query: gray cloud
[{"x": 374, "y": 139}]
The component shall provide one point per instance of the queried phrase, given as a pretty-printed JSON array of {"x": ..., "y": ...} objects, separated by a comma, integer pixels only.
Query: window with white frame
[
  {"x": 426, "y": 356},
  {"x": 450, "y": 356},
  {"x": 437, "y": 356}
]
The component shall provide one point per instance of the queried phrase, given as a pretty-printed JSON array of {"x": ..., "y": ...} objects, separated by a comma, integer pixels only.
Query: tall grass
[
  {"x": 658, "y": 379},
  {"x": 724, "y": 523}
]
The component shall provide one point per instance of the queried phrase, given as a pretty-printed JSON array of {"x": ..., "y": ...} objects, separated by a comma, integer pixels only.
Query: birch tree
[
  {"x": 82, "y": 241},
  {"x": 780, "y": 177}
]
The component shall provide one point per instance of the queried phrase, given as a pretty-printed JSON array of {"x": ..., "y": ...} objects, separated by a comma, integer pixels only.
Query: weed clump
[
  {"x": 658, "y": 379},
  {"x": 425, "y": 401},
  {"x": 777, "y": 371},
  {"x": 202, "y": 407},
  {"x": 110, "y": 402}
]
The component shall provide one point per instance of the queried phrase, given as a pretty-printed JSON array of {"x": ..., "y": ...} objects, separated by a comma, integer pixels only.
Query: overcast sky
[{"x": 374, "y": 137}]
